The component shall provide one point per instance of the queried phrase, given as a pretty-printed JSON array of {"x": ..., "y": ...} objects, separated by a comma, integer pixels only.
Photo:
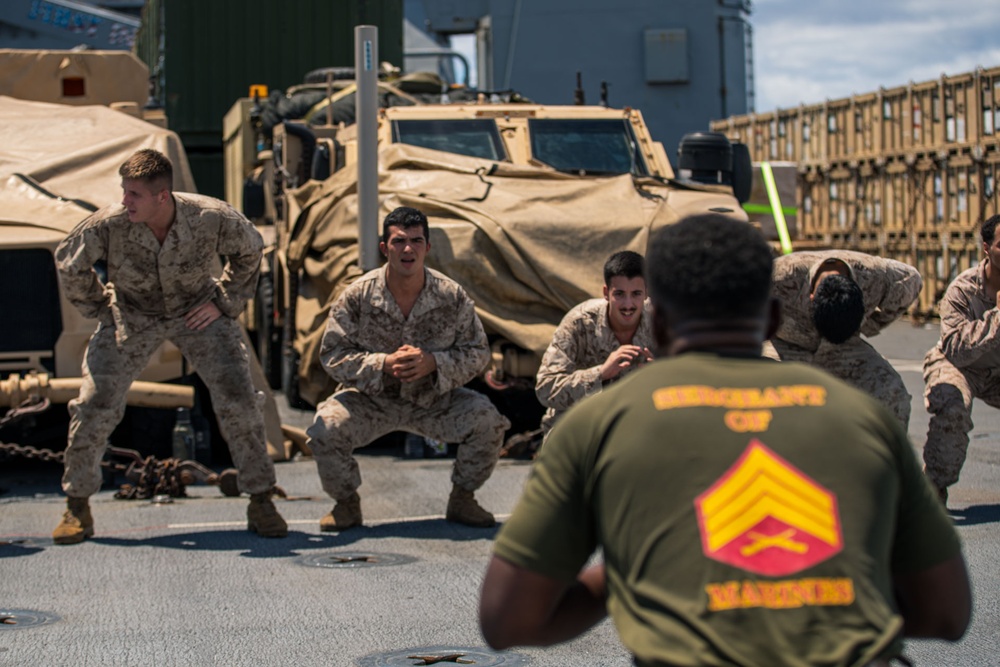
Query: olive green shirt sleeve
[
  {"x": 552, "y": 530},
  {"x": 925, "y": 535}
]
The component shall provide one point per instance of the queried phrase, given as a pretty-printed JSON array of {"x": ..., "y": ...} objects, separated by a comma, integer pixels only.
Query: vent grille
[{"x": 29, "y": 302}]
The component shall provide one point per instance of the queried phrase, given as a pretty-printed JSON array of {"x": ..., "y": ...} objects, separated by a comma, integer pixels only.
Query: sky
[{"x": 808, "y": 51}]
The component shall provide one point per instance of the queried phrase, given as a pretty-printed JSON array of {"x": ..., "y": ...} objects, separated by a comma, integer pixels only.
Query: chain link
[
  {"x": 29, "y": 452},
  {"x": 32, "y": 406},
  {"x": 149, "y": 477}
]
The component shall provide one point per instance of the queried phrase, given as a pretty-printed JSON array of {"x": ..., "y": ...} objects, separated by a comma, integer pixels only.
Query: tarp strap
[
  {"x": 38, "y": 186},
  {"x": 776, "y": 210}
]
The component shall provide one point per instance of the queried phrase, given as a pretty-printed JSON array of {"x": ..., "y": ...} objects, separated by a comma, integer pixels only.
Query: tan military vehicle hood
[{"x": 527, "y": 243}]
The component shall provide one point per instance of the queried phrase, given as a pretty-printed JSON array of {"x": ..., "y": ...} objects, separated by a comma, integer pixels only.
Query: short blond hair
[{"x": 149, "y": 166}]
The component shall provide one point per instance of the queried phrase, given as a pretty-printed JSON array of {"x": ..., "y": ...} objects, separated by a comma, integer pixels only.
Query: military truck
[
  {"x": 525, "y": 201},
  {"x": 70, "y": 118}
]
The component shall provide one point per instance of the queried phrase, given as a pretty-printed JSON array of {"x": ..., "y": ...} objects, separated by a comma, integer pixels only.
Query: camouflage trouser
[
  {"x": 349, "y": 419},
  {"x": 857, "y": 363},
  {"x": 219, "y": 357},
  {"x": 948, "y": 394}
]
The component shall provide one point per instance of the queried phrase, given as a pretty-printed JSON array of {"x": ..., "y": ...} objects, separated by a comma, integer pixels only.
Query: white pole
[{"x": 366, "y": 110}]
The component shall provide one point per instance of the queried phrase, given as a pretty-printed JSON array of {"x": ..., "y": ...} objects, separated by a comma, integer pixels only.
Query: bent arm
[
  {"x": 468, "y": 355},
  {"x": 964, "y": 339},
  {"x": 242, "y": 246},
  {"x": 519, "y": 607},
  {"x": 902, "y": 287},
  {"x": 342, "y": 354},
  {"x": 561, "y": 379},
  {"x": 75, "y": 258},
  {"x": 935, "y": 603}
]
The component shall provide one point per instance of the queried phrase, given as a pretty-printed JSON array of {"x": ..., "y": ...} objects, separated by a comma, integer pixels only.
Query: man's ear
[
  {"x": 773, "y": 319},
  {"x": 605, "y": 292},
  {"x": 383, "y": 249}
]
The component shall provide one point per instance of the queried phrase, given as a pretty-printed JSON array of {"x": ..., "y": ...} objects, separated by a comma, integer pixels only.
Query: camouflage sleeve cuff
[{"x": 230, "y": 307}]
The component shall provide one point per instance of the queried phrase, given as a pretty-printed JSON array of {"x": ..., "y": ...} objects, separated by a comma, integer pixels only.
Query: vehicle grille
[{"x": 29, "y": 302}]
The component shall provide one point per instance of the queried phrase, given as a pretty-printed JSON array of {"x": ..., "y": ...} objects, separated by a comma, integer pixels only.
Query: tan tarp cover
[
  {"x": 526, "y": 242},
  {"x": 107, "y": 76},
  {"x": 52, "y": 154},
  {"x": 73, "y": 153}
]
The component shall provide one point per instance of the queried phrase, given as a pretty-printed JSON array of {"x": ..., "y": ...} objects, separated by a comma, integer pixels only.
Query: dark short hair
[
  {"x": 624, "y": 263},
  {"x": 989, "y": 229},
  {"x": 405, "y": 217},
  {"x": 837, "y": 308},
  {"x": 709, "y": 266},
  {"x": 149, "y": 166}
]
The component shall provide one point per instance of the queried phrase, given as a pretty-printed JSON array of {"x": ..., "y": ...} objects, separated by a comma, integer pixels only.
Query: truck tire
[
  {"x": 319, "y": 75},
  {"x": 268, "y": 336}
]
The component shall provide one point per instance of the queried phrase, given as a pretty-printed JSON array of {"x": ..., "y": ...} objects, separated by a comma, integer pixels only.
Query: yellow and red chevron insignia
[{"x": 766, "y": 516}]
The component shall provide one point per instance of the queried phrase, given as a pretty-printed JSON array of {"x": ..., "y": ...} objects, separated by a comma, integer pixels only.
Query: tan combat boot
[
  {"x": 463, "y": 508},
  {"x": 346, "y": 514},
  {"x": 77, "y": 522},
  {"x": 263, "y": 517}
]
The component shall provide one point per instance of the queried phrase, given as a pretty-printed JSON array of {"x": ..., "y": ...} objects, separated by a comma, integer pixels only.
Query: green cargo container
[{"x": 205, "y": 54}]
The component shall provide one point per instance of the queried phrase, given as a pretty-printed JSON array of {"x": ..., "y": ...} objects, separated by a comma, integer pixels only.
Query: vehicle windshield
[
  {"x": 476, "y": 137},
  {"x": 586, "y": 146}
]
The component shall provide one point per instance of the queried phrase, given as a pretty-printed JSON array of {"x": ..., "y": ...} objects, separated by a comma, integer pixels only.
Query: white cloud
[{"x": 806, "y": 52}]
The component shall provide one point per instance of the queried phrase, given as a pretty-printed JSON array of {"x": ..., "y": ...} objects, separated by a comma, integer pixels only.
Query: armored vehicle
[
  {"x": 525, "y": 202},
  {"x": 70, "y": 119}
]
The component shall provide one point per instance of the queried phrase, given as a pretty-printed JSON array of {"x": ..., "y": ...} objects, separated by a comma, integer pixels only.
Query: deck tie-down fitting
[{"x": 435, "y": 659}]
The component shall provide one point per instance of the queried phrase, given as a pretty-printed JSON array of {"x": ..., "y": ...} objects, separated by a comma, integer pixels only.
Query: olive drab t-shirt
[{"x": 749, "y": 513}]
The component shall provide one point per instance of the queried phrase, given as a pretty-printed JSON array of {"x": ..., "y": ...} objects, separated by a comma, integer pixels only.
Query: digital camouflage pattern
[
  {"x": 571, "y": 366},
  {"x": 856, "y": 362},
  {"x": 365, "y": 326},
  {"x": 148, "y": 290},
  {"x": 889, "y": 289},
  {"x": 962, "y": 366},
  {"x": 148, "y": 283},
  {"x": 220, "y": 357}
]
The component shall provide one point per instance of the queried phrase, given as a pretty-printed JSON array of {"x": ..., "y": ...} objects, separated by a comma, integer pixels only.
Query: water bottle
[{"x": 183, "y": 436}]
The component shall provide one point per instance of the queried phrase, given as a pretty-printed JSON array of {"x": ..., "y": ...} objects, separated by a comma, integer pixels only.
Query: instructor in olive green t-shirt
[{"x": 748, "y": 512}]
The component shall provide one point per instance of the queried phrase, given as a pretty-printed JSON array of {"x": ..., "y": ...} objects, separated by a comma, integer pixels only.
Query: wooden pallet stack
[{"x": 907, "y": 172}]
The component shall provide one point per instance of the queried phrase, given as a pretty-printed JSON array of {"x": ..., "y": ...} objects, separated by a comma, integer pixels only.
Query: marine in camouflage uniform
[
  {"x": 366, "y": 327},
  {"x": 889, "y": 289},
  {"x": 571, "y": 366},
  {"x": 963, "y": 365},
  {"x": 157, "y": 290},
  {"x": 598, "y": 341}
]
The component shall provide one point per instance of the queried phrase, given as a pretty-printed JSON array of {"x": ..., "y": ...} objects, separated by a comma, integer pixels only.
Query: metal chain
[
  {"x": 149, "y": 477},
  {"x": 27, "y": 451},
  {"x": 31, "y": 406}
]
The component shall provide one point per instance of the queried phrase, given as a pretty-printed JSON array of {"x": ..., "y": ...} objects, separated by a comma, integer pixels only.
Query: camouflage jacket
[
  {"x": 571, "y": 366},
  {"x": 148, "y": 282},
  {"x": 889, "y": 288},
  {"x": 366, "y": 325},
  {"x": 970, "y": 324}
]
